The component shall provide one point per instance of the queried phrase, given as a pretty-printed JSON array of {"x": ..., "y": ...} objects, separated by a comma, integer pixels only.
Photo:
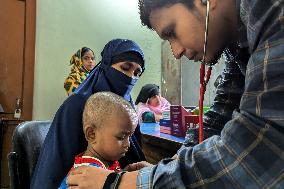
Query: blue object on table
[
  {"x": 165, "y": 122},
  {"x": 153, "y": 129}
]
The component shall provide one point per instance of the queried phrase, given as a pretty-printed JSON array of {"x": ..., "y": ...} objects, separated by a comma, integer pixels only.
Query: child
[
  {"x": 108, "y": 122},
  {"x": 150, "y": 104}
]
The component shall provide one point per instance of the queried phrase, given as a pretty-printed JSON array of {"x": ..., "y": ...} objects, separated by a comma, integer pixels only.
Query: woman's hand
[
  {"x": 137, "y": 166},
  {"x": 85, "y": 177}
]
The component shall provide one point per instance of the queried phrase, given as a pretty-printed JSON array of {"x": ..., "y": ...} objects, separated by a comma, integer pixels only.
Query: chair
[{"x": 27, "y": 141}]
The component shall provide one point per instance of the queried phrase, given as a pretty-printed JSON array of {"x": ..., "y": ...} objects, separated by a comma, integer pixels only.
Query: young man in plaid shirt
[{"x": 248, "y": 108}]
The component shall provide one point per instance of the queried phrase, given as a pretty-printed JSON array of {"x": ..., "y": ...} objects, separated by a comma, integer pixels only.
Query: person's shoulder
[
  {"x": 141, "y": 104},
  {"x": 164, "y": 99},
  {"x": 71, "y": 77},
  {"x": 76, "y": 97},
  {"x": 75, "y": 101}
]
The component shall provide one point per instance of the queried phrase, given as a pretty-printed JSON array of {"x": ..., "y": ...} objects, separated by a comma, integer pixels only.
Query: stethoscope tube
[{"x": 203, "y": 79}]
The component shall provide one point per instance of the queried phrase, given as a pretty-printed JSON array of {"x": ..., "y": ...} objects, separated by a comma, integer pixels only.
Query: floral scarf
[{"x": 78, "y": 73}]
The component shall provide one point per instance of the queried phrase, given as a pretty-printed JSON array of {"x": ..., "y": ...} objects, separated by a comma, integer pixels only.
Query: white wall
[
  {"x": 63, "y": 26},
  {"x": 191, "y": 83}
]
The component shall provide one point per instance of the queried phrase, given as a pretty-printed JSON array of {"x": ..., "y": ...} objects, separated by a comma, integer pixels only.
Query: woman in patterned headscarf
[{"x": 83, "y": 61}]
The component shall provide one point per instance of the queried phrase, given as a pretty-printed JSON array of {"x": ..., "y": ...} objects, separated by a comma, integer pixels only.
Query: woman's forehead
[
  {"x": 88, "y": 53},
  {"x": 135, "y": 65}
]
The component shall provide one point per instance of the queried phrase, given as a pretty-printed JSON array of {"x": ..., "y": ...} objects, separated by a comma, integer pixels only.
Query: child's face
[
  {"x": 112, "y": 138},
  {"x": 154, "y": 100}
]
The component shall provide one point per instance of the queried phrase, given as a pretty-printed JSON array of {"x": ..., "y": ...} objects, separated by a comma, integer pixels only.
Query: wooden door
[
  {"x": 17, "y": 36},
  {"x": 17, "y": 51}
]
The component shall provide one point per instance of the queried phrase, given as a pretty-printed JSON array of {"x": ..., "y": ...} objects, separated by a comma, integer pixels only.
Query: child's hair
[
  {"x": 146, "y": 7},
  {"x": 100, "y": 106}
]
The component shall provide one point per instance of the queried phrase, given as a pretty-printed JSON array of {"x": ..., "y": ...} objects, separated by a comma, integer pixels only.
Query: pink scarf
[{"x": 145, "y": 107}]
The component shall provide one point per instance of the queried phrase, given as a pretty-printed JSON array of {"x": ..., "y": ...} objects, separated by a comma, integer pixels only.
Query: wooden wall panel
[
  {"x": 17, "y": 57},
  {"x": 12, "y": 22},
  {"x": 28, "y": 84},
  {"x": 17, "y": 52}
]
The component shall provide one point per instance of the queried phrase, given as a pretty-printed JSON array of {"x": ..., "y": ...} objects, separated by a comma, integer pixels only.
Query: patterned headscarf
[{"x": 78, "y": 72}]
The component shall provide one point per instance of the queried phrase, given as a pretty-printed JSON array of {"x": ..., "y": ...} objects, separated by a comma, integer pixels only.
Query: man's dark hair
[{"x": 146, "y": 7}]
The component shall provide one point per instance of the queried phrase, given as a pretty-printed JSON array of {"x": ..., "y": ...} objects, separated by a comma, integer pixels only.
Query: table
[{"x": 157, "y": 145}]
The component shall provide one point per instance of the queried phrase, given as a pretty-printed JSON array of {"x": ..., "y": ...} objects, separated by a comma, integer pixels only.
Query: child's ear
[{"x": 90, "y": 133}]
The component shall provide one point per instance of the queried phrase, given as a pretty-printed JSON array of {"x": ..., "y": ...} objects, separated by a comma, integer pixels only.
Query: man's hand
[
  {"x": 137, "y": 166},
  {"x": 85, "y": 177}
]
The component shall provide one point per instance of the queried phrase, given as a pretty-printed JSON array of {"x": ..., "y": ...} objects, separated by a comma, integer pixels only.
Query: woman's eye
[
  {"x": 125, "y": 67},
  {"x": 88, "y": 58},
  {"x": 120, "y": 137},
  {"x": 170, "y": 34},
  {"x": 137, "y": 73}
]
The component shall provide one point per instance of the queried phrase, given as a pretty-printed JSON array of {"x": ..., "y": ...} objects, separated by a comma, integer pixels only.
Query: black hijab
[
  {"x": 105, "y": 78},
  {"x": 146, "y": 92}
]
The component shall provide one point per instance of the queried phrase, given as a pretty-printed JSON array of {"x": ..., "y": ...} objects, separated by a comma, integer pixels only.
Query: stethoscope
[{"x": 202, "y": 77}]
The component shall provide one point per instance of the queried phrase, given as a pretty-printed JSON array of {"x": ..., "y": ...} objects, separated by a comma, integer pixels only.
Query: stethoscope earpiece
[{"x": 204, "y": 2}]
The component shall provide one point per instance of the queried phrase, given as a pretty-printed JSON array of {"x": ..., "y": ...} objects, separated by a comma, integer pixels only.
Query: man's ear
[
  {"x": 213, "y": 4},
  {"x": 90, "y": 133}
]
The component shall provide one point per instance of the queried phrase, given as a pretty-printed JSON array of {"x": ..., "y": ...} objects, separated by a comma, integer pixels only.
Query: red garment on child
[{"x": 81, "y": 160}]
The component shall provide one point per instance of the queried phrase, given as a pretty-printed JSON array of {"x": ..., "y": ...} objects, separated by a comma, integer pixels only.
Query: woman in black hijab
[
  {"x": 121, "y": 65},
  {"x": 150, "y": 104}
]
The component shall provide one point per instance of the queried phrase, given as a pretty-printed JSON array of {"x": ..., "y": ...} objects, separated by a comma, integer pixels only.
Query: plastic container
[{"x": 196, "y": 110}]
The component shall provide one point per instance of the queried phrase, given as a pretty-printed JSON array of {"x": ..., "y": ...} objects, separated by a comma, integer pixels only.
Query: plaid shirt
[{"x": 249, "y": 153}]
